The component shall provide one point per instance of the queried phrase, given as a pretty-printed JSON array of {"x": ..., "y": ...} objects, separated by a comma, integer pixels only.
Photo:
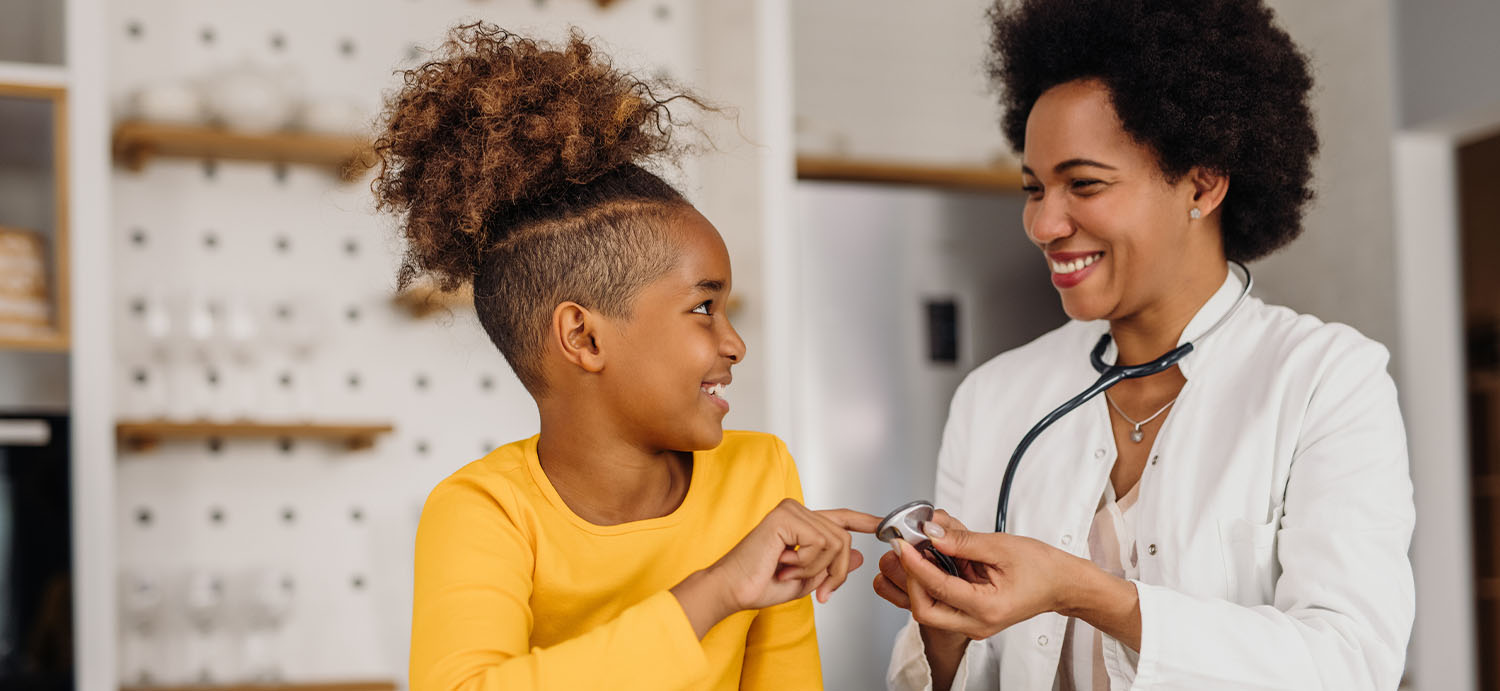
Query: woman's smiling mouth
[{"x": 1069, "y": 269}]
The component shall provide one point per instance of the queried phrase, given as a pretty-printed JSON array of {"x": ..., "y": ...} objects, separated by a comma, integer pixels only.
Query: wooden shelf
[
  {"x": 28, "y": 75},
  {"x": 135, "y": 143},
  {"x": 327, "y": 686},
  {"x": 144, "y": 435},
  {"x": 48, "y": 343},
  {"x": 979, "y": 178}
]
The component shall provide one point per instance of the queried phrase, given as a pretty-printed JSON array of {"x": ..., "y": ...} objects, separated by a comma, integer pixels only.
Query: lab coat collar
[{"x": 1218, "y": 304}]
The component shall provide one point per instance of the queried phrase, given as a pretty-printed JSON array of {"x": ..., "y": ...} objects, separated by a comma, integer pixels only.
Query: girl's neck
[{"x": 604, "y": 478}]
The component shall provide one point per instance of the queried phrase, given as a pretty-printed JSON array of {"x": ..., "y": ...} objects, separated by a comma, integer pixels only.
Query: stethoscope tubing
[{"x": 1109, "y": 375}]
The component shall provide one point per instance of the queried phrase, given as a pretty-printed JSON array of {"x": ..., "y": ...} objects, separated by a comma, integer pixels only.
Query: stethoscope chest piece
[{"x": 905, "y": 522}]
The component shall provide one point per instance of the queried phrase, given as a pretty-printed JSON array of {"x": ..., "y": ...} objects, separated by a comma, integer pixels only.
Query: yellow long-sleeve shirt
[{"x": 515, "y": 591}]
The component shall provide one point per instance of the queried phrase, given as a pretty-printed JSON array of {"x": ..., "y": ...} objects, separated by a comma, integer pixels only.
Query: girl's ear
[{"x": 575, "y": 330}]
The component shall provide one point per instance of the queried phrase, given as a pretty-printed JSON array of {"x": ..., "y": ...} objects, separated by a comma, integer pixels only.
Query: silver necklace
[{"x": 1135, "y": 434}]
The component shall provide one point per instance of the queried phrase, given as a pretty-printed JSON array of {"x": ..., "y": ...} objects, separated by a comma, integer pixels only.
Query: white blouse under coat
[{"x": 1272, "y": 523}]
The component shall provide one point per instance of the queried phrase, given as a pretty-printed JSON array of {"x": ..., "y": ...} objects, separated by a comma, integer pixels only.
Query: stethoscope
[{"x": 1109, "y": 375}]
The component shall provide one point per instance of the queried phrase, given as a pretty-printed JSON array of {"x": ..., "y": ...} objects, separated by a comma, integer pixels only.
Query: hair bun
[{"x": 499, "y": 120}]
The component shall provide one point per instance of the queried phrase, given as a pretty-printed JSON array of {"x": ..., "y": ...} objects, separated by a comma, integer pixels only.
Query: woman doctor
[{"x": 1240, "y": 520}]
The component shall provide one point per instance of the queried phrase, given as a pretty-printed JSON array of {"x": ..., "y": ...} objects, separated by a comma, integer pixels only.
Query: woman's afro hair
[{"x": 1202, "y": 83}]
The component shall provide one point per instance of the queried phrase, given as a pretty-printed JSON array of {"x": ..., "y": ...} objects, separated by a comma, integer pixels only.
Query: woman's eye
[
  {"x": 705, "y": 307},
  {"x": 1085, "y": 184}
]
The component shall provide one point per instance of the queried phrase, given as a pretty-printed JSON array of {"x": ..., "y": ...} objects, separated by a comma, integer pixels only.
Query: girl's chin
[{"x": 701, "y": 438}]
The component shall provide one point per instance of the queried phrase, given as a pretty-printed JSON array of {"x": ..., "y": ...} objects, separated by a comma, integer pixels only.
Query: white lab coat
[{"x": 1274, "y": 515}]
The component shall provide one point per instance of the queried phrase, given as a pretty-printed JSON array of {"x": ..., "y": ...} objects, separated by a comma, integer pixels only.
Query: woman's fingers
[
  {"x": 890, "y": 592},
  {"x": 943, "y": 518},
  {"x": 931, "y": 611},
  {"x": 933, "y": 581},
  {"x": 890, "y": 567},
  {"x": 985, "y": 548}
]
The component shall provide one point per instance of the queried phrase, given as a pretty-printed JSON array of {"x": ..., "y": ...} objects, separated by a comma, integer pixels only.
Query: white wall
[
  {"x": 893, "y": 79},
  {"x": 1447, "y": 55},
  {"x": 1343, "y": 268}
]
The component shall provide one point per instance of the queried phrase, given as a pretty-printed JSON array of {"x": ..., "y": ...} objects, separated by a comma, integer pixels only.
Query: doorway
[{"x": 1479, "y": 238}]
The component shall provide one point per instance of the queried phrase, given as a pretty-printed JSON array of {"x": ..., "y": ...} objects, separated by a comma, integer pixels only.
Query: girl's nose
[{"x": 733, "y": 346}]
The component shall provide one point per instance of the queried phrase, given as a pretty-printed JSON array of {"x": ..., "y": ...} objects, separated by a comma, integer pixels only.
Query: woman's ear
[
  {"x": 575, "y": 331},
  {"x": 1209, "y": 189}
]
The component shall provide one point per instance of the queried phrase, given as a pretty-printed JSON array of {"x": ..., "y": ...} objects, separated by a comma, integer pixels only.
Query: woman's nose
[{"x": 1048, "y": 221}]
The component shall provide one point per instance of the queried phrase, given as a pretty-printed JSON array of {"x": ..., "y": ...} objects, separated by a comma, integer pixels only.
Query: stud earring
[{"x": 1195, "y": 214}]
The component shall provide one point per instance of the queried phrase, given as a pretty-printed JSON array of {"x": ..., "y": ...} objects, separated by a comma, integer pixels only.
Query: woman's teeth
[
  {"x": 1078, "y": 264},
  {"x": 714, "y": 390}
]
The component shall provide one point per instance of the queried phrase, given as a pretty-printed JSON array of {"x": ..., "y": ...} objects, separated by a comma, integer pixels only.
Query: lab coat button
[
  {"x": 1041, "y": 640},
  {"x": 1151, "y": 549},
  {"x": 1154, "y": 459},
  {"x": 1098, "y": 453},
  {"x": 1067, "y": 539}
]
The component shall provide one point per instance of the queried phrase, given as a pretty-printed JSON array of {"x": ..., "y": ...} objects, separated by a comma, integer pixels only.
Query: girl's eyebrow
[{"x": 710, "y": 285}]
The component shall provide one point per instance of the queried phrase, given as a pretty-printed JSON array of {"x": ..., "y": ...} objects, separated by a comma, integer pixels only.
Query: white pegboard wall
[{"x": 258, "y": 237}]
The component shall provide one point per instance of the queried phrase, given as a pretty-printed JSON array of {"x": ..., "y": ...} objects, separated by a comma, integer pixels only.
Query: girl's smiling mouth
[{"x": 715, "y": 392}]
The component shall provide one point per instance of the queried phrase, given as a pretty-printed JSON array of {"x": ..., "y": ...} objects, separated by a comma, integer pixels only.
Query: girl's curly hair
[
  {"x": 1211, "y": 83},
  {"x": 519, "y": 166}
]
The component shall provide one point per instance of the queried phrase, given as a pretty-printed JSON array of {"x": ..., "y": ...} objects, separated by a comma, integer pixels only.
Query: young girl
[{"x": 632, "y": 544}]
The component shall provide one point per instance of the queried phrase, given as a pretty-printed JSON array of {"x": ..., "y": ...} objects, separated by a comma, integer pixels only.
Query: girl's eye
[
  {"x": 704, "y": 307},
  {"x": 1085, "y": 184},
  {"x": 1031, "y": 189}
]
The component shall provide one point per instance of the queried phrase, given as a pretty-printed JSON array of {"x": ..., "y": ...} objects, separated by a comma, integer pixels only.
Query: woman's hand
[
  {"x": 1009, "y": 579},
  {"x": 944, "y": 649},
  {"x": 794, "y": 551}
]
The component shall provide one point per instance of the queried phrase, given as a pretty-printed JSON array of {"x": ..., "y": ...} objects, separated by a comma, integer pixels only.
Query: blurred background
[{"x": 218, "y": 420}]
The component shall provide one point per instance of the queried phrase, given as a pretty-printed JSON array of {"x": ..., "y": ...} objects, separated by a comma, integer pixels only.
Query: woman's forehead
[{"x": 1076, "y": 121}]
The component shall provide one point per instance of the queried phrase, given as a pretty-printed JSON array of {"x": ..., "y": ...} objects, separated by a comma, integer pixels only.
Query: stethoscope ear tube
[
  {"x": 1109, "y": 375},
  {"x": 1105, "y": 381}
]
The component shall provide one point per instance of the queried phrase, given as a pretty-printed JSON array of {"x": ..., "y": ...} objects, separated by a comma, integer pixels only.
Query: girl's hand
[
  {"x": 1009, "y": 579},
  {"x": 794, "y": 551}
]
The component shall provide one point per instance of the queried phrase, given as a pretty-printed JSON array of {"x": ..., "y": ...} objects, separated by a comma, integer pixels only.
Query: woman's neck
[
  {"x": 1151, "y": 332},
  {"x": 601, "y": 476}
]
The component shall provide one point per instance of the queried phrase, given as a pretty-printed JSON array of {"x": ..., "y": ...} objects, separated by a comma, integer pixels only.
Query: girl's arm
[{"x": 472, "y": 621}]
